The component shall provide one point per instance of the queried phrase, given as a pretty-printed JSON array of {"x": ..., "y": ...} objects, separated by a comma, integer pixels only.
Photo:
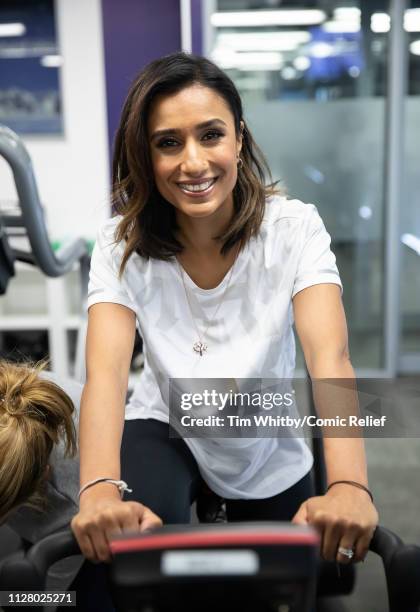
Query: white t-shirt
[{"x": 251, "y": 335}]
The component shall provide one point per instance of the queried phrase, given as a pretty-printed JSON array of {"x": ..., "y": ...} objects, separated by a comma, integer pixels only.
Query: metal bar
[
  {"x": 209, "y": 7},
  {"x": 51, "y": 263},
  {"x": 57, "y": 333},
  {"x": 186, "y": 33},
  {"x": 393, "y": 182}
]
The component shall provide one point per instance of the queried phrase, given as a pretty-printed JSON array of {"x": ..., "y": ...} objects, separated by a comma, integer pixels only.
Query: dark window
[{"x": 30, "y": 100}]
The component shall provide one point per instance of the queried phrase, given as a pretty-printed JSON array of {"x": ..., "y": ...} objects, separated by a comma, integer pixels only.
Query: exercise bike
[{"x": 250, "y": 567}]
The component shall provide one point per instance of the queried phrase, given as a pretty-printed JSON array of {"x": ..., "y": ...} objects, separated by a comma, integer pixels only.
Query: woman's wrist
[
  {"x": 99, "y": 491},
  {"x": 355, "y": 485}
]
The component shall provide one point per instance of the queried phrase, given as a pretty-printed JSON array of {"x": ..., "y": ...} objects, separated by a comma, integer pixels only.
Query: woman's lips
[{"x": 201, "y": 193}]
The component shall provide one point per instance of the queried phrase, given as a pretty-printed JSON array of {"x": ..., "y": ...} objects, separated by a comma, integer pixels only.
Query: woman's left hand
[{"x": 345, "y": 517}]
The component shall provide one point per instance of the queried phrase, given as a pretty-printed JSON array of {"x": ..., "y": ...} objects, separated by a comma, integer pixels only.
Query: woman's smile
[{"x": 199, "y": 188}]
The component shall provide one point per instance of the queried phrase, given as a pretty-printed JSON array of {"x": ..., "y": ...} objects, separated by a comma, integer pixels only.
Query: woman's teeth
[{"x": 197, "y": 187}]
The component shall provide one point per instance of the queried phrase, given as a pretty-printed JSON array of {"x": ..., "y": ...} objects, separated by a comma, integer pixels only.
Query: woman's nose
[{"x": 193, "y": 161}]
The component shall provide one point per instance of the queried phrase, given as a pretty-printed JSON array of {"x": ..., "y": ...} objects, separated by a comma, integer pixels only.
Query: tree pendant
[{"x": 200, "y": 347}]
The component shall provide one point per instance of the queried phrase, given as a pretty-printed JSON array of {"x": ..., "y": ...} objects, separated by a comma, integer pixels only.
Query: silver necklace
[{"x": 200, "y": 346}]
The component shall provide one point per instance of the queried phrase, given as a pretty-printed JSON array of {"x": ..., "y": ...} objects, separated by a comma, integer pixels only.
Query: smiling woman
[
  {"x": 212, "y": 265},
  {"x": 183, "y": 142}
]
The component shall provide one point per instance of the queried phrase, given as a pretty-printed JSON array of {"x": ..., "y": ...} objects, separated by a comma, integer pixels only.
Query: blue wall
[
  {"x": 197, "y": 26},
  {"x": 135, "y": 33}
]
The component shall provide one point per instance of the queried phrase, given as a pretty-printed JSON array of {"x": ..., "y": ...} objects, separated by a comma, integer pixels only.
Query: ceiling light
[
  {"x": 341, "y": 27},
  {"x": 12, "y": 29},
  {"x": 321, "y": 50},
  {"x": 347, "y": 13},
  {"x": 413, "y": 242},
  {"x": 263, "y": 41},
  {"x": 249, "y": 61},
  {"x": 412, "y": 20},
  {"x": 51, "y": 61},
  {"x": 302, "y": 63},
  {"x": 415, "y": 47},
  {"x": 284, "y": 17},
  {"x": 380, "y": 23}
]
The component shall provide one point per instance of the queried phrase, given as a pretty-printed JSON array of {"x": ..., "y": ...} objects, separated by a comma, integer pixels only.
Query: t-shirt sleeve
[
  {"x": 317, "y": 263},
  {"x": 104, "y": 282}
]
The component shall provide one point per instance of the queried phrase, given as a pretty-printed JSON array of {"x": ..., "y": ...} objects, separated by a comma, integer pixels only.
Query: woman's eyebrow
[{"x": 200, "y": 126}]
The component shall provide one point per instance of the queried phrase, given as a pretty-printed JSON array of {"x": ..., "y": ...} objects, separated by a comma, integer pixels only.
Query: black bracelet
[{"x": 354, "y": 484}]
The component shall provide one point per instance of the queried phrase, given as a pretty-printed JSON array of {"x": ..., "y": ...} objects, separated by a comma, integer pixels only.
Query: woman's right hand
[{"x": 103, "y": 514}]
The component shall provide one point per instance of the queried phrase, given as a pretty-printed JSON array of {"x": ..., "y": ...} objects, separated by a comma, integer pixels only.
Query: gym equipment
[
  {"x": 27, "y": 221},
  {"x": 31, "y": 221},
  {"x": 254, "y": 567},
  {"x": 225, "y": 567}
]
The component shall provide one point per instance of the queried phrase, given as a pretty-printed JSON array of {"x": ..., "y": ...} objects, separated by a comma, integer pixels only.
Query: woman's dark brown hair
[{"x": 148, "y": 221}]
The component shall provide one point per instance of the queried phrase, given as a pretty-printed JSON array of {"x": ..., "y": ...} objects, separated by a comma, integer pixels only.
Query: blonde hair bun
[{"x": 35, "y": 414}]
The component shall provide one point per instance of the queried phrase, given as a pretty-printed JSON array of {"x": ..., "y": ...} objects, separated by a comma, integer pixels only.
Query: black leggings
[{"x": 164, "y": 476}]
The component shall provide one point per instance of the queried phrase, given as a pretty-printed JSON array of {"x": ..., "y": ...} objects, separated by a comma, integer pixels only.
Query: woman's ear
[{"x": 240, "y": 137}]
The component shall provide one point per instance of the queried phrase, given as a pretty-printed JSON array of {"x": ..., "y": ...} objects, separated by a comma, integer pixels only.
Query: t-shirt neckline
[{"x": 230, "y": 274}]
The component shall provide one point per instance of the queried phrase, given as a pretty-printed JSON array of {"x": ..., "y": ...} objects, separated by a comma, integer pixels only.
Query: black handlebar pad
[{"x": 63, "y": 544}]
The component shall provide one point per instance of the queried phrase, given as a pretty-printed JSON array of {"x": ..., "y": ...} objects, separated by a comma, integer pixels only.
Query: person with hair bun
[
  {"x": 38, "y": 449},
  {"x": 39, "y": 469}
]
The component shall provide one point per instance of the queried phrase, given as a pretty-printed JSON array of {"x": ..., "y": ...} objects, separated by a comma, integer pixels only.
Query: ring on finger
[{"x": 346, "y": 552}]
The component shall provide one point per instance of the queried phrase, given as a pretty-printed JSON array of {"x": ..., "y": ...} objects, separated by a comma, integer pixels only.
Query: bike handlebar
[
  {"x": 401, "y": 564},
  {"x": 64, "y": 544}
]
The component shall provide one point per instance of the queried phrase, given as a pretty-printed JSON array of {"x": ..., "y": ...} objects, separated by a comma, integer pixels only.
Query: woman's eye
[
  {"x": 167, "y": 142},
  {"x": 170, "y": 143},
  {"x": 213, "y": 135}
]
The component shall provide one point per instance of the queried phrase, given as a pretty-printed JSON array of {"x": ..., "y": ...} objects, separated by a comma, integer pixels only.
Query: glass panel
[
  {"x": 30, "y": 100},
  {"x": 313, "y": 84},
  {"x": 410, "y": 204}
]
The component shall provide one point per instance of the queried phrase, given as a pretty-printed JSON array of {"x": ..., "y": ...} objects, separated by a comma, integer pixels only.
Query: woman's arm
[
  {"x": 322, "y": 329},
  {"x": 110, "y": 341},
  {"x": 349, "y": 520},
  {"x": 109, "y": 347}
]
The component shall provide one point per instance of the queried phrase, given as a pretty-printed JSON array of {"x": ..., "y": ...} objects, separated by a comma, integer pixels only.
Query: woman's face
[{"x": 194, "y": 150}]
